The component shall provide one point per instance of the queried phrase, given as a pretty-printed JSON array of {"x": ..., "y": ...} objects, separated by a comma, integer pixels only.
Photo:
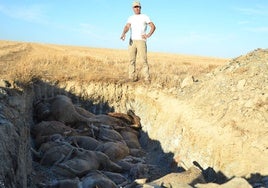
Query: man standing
[{"x": 137, "y": 24}]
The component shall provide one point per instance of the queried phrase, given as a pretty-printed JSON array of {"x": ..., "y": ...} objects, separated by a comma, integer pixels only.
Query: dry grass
[{"x": 25, "y": 62}]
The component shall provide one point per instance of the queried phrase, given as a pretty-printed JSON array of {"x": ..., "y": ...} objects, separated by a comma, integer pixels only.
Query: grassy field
[{"x": 24, "y": 62}]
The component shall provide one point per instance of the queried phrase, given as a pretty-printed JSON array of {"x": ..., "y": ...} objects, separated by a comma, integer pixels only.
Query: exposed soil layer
[{"x": 217, "y": 120}]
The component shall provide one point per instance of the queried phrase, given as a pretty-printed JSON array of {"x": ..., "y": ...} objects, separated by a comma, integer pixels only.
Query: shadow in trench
[
  {"x": 157, "y": 157},
  {"x": 160, "y": 163}
]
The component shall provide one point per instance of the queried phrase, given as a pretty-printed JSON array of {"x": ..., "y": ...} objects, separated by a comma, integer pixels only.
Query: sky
[{"x": 225, "y": 29}]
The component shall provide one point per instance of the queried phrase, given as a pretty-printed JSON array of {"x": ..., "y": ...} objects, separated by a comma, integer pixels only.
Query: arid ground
[{"x": 210, "y": 110}]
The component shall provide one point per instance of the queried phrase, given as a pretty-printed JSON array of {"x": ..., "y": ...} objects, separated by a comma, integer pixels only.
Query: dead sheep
[
  {"x": 84, "y": 142},
  {"x": 97, "y": 179},
  {"x": 84, "y": 161},
  {"x": 131, "y": 138},
  {"x": 106, "y": 134},
  {"x": 64, "y": 183},
  {"x": 130, "y": 118},
  {"x": 115, "y": 150},
  {"x": 56, "y": 154},
  {"x": 43, "y": 131},
  {"x": 61, "y": 108},
  {"x": 117, "y": 178},
  {"x": 46, "y": 128}
]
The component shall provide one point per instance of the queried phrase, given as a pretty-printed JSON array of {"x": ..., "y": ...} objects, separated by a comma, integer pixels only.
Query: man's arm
[
  {"x": 126, "y": 29},
  {"x": 152, "y": 29},
  {"x": 152, "y": 26}
]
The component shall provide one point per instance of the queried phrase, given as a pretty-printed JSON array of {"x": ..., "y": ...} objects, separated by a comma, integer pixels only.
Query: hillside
[{"x": 92, "y": 64}]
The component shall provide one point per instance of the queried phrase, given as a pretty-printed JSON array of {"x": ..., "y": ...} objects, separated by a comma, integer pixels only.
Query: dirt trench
[
  {"x": 168, "y": 133},
  {"x": 17, "y": 119}
]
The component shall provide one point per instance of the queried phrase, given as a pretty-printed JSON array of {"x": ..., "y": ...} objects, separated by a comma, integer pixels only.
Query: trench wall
[
  {"x": 15, "y": 142},
  {"x": 182, "y": 128},
  {"x": 179, "y": 127}
]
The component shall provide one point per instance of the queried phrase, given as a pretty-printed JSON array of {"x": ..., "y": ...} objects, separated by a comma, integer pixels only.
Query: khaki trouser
[{"x": 138, "y": 47}]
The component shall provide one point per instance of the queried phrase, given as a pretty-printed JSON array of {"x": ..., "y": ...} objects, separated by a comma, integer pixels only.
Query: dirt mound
[
  {"x": 232, "y": 103},
  {"x": 236, "y": 92}
]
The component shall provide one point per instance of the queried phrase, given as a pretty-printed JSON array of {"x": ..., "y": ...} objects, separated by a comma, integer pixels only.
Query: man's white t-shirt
[{"x": 138, "y": 27}]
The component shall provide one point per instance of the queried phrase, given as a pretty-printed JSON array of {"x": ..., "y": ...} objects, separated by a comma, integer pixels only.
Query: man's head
[{"x": 136, "y": 5}]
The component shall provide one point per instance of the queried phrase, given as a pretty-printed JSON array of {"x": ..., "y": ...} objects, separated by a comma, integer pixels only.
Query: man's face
[{"x": 137, "y": 9}]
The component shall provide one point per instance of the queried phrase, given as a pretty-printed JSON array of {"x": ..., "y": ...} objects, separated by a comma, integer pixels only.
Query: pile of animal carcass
[
  {"x": 81, "y": 148},
  {"x": 75, "y": 148}
]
